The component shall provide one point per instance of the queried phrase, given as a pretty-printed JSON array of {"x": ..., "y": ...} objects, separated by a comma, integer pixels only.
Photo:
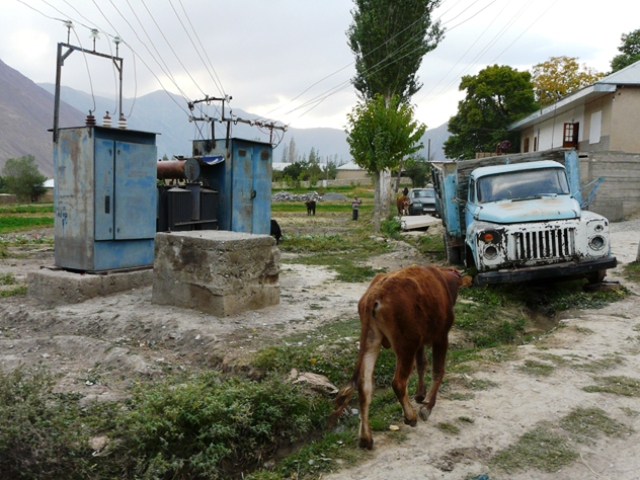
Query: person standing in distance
[{"x": 354, "y": 206}]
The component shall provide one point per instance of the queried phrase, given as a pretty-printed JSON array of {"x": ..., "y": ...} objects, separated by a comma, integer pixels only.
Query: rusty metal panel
[
  {"x": 104, "y": 194},
  {"x": 242, "y": 188},
  {"x": 74, "y": 199},
  {"x": 135, "y": 190}
]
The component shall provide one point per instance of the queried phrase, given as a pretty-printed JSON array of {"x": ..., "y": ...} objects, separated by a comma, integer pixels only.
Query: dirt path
[{"x": 101, "y": 345}]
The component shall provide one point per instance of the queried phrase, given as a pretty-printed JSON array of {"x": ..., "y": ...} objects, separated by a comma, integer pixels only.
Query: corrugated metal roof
[{"x": 627, "y": 76}]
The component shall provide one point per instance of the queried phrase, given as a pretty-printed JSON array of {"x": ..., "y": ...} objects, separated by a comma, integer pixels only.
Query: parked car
[{"x": 422, "y": 200}]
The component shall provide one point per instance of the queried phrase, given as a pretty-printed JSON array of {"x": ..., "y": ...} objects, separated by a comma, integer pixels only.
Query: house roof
[
  {"x": 627, "y": 76},
  {"x": 350, "y": 166}
]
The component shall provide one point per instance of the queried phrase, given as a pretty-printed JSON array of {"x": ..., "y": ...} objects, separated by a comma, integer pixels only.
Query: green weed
[
  {"x": 536, "y": 368},
  {"x": 583, "y": 423},
  {"x": 7, "y": 279},
  {"x": 631, "y": 271},
  {"x": 17, "y": 290},
  {"x": 626, "y": 386},
  {"x": 541, "y": 448},
  {"x": 448, "y": 428}
]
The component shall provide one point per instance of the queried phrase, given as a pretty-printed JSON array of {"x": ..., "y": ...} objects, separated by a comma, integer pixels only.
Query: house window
[
  {"x": 535, "y": 144},
  {"x": 595, "y": 129},
  {"x": 525, "y": 147},
  {"x": 570, "y": 136}
]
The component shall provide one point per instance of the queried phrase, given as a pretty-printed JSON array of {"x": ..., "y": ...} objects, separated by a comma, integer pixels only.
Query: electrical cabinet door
[
  {"x": 103, "y": 202},
  {"x": 261, "y": 211},
  {"x": 135, "y": 191},
  {"x": 243, "y": 192}
]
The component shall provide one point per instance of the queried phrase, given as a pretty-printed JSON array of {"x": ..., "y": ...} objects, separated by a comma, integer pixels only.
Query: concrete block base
[
  {"x": 217, "y": 272},
  {"x": 60, "y": 287}
]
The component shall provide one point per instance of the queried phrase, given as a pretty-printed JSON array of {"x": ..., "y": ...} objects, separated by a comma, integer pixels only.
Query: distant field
[{"x": 12, "y": 223}]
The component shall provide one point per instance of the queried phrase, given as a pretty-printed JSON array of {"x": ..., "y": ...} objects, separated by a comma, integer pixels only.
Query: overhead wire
[{"x": 214, "y": 75}]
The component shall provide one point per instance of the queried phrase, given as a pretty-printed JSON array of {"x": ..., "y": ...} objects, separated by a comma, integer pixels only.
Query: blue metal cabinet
[
  {"x": 243, "y": 181},
  {"x": 105, "y": 198}
]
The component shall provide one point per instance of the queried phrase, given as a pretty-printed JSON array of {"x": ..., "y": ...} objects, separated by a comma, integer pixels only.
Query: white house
[{"x": 602, "y": 117}]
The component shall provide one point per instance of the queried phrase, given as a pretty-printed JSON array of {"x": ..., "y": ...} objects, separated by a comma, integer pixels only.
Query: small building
[
  {"x": 602, "y": 117},
  {"x": 351, "y": 171}
]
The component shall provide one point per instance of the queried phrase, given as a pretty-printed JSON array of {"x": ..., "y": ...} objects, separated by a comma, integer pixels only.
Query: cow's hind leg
[
  {"x": 421, "y": 366},
  {"x": 365, "y": 384},
  {"x": 439, "y": 351},
  {"x": 404, "y": 367}
]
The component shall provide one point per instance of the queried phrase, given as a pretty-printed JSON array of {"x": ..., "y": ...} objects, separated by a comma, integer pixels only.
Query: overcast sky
[{"x": 288, "y": 60}]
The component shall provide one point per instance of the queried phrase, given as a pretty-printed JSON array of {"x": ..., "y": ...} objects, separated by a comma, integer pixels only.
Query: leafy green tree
[
  {"x": 495, "y": 98},
  {"x": 2, "y": 185},
  {"x": 294, "y": 170},
  {"x": 23, "y": 178},
  {"x": 560, "y": 76},
  {"x": 630, "y": 51},
  {"x": 380, "y": 135},
  {"x": 389, "y": 39},
  {"x": 418, "y": 170},
  {"x": 293, "y": 155}
]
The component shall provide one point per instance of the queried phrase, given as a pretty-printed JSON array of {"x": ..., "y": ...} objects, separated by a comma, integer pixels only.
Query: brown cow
[
  {"x": 403, "y": 205},
  {"x": 407, "y": 310}
]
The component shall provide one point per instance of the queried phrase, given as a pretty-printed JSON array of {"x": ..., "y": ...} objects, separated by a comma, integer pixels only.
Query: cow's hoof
[
  {"x": 420, "y": 398},
  {"x": 411, "y": 423},
  {"x": 424, "y": 414},
  {"x": 366, "y": 443}
]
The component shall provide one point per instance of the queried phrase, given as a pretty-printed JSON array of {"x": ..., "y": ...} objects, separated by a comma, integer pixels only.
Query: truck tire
[
  {"x": 454, "y": 254},
  {"x": 595, "y": 278}
]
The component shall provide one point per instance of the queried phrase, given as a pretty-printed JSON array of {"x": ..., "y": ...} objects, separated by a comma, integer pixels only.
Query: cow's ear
[{"x": 465, "y": 281}]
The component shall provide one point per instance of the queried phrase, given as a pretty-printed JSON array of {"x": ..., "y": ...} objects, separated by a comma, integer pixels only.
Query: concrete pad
[
  {"x": 419, "y": 221},
  {"x": 60, "y": 287},
  {"x": 215, "y": 271}
]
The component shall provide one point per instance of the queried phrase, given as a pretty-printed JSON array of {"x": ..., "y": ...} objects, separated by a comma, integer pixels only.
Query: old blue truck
[{"x": 521, "y": 217}]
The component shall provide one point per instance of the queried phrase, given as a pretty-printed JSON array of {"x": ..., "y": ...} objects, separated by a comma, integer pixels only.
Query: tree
[
  {"x": 294, "y": 156},
  {"x": 23, "y": 178},
  {"x": 285, "y": 153},
  {"x": 630, "y": 49},
  {"x": 495, "y": 98},
  {"x": 560, "y": 76},
  {"x": 417, "y": 169},
  {"x": 389, "y": 39},
  {"x": 380, "y": 134},
  {"x": 2, "y": 185}
]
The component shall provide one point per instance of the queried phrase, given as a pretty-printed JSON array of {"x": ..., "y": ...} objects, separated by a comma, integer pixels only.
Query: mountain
[{"x": 26, "y": 115}]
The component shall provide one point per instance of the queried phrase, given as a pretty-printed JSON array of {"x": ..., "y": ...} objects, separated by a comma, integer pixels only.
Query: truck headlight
[
  {"x": 597, "y": 242},
  {"x": 490, "y": 236},
  {"x": 490, "y": 252}
]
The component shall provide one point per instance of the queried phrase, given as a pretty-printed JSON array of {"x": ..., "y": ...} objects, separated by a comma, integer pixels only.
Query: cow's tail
[
  {"x": 342, "y": 400},
  {"x": 344, "y": 395}
]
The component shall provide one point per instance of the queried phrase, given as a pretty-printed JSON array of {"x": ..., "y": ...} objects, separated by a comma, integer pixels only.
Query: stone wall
[{"x": 618, "y": 196}]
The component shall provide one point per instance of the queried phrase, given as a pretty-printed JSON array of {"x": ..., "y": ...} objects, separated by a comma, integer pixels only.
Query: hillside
[{"x": 26, "y": 113}]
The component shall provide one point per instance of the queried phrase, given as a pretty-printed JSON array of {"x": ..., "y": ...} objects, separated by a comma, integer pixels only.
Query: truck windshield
[{"x": 522, "y": 184}]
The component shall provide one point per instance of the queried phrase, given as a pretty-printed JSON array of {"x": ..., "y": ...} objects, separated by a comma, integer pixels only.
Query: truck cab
[{"x": 522, "y": 221}]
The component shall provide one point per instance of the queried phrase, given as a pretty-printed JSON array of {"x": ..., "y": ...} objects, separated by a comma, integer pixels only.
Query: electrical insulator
[
  {"x": 90, "y": 121},
  {"x": 106, "y": 121},
  {"x": 122, "y": 123}
]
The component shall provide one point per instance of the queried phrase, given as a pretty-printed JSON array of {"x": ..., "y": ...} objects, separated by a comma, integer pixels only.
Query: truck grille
[{"x": 545, "y": 244}]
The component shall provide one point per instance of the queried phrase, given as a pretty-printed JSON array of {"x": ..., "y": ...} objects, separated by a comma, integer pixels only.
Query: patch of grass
[
  {"x": 483, "y": 328},
  {"x": 532, "y": 367},
  {"x": 631, "y": 271},
  {"x": 461, "y": 396},
  {"x": 464, "y": 419},
  {"x": 391, "y": 227},
  {"x": 17, "y": 290},
  {"x": 583, "y": 423},
  {"x": 448, "y": 428},
  {"x": 550, "y": 357},
  {"x": 625, "y": 386},
  {"x": 27, "y": 208},
  {"x": 605, "y": 363},
  {"x": 629, "y": 412},
  {"x": 541, "y": 448},
  {"x": 15, "y": 223},
  {"x": 7, "y": 279}
]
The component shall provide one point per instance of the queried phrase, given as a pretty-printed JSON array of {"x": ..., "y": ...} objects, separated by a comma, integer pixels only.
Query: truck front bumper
[{"x": 566, "y": 269}]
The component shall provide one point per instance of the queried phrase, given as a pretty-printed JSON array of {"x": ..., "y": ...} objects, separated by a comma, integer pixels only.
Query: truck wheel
[
  {"x": 453, "y": 253},
  {"x": 596, "y": 277}
]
